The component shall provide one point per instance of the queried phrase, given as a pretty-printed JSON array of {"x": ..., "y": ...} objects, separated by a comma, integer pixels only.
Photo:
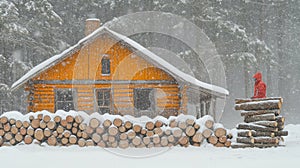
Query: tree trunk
[{"x": 247, "y": 140}]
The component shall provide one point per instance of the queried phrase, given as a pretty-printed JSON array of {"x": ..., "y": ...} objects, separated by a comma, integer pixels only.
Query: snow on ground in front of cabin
[{"x": 205, "y": 156}]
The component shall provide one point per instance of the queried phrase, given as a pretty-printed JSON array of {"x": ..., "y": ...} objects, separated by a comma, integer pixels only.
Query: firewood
[
  {"x": 196, "y": 126},
  {"x": 35, "y": 123},
  {"x": 266, "y": 123},
  {"x": 54, "y": 133},
  {"x": 182, "y": 125},
  {"x": 3, "y": 120},
  {"x": 136, "y": 141},
  {"x": 281, "y": 133},
  {"x": 75, "y": 124},
  {"x": 244, "y": 133},
  {"x": 22, "y": 130},
  {"x": 190, "y": 131},
  {"x": 81, "y": 142},
  {"x": 122, "y": 129},
  {"x": 47, "y": 132},
  {"x": 107, "y": 123},
  {"x": 242, "y": 145},
  {"x": 206, "y": 133},
  {"x": 164, "y": 141},
  {"x": 149, "y": 133},
  {"x": 6, "y": 127},
  {"x": 94, "y": 123},
  {"x": 101, "y": 144},
  {"x": 247, "y": 140},
  {"x": 260, "y": 112},
  {"x": 46, "y": 118},
  {"x": 123, "y": 136},
  {"x": 52, "y": 141},
  {"x": 13, "y": 141},
  {"x": 51, "y": 125},
  {"x": 18, "y": 137},
  {"x": 74, "y": 130},
  {"x": 2, "y": 132},
  {"x": 158, "y": 131},
  {"x": 79, "y": 134},
  {"x": 239, "y": 100},
  {"x": 264, "y": 140},
  {"x": 78, "y": 119},
  {"x": 209, "y": 124},
  {"x": 150, "y": 145},
  {"x": 100, "y": 130},
  {"x": 89, "y": 142},
  {"x": 84, "y": 135},
  {"x": 137, "y": 128},
  {"x": 63, "y": 123},
  {"x": 43, "y": 125},
  {"x": 82, "y": 126},
  {"x": 1, "y": 141},
  {"x": 280, "y": 119},
  {"x": 196, "y": 144},
  {"x": 223, "y": 139},
  {"x": 131, "y": 134},
  {"x": 227, "y": 143},
  {"x": 8, "y": 136},
  {"x": 66, "y": 134},
  {"x": 73, "y": 139},
  {"x": 31, "y": 118},
  {"x": 12, "y": 121},
  {"x": 105, "y": 137},
  {"x": 264, "y": 117},
  {"x": 70, "y": 119},
  {"x": 158, "y": 124},
  {"x": 171, "y": 138},
  {"x": 60, "y": 129},
  {"x": 219, "y": 130},
  {"x": 123, "y": 144},
  {"x": 173, "y": 123},
  {"x": 39, "y": 134},
  {"x": 146, "y": 140},
  {"x": 184, "y": 141},
  {"x": 28, "y": 139},
  {"x": 150, "y": 125},
  {"x": 190, "y": 122},
  {"x": 212, "y": 140},
  {"x": 128, "y": 125},
  {"x": 143, "y": 132},
  {"x": 156, "y": 139},
  {"x": 69, "y": 126},
  {"x": 30, "y": 131},
  {"x": 64, "y": 141},
  {"x": 113, "y": 130},
  {"x": 111, "y": 138},
  {"x": 19, "y": 124},
  {"x": 260, "y": 105},
  {"x": 197, "y": 137},
  {"x": 177, "y": 132},
  {"x": 168, "y": 132},
  {"x": 256, "y": 127},
  {"x": 40, "y": 116},
  {"x": 14, "y": 130},
  {"x": 118, "y": 122},
  {"x": 26, "y": 124},
  {"x": 57, "y": 119}
]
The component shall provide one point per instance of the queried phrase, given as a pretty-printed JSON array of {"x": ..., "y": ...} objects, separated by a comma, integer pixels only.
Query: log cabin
[{"x": 110, "y": 73}]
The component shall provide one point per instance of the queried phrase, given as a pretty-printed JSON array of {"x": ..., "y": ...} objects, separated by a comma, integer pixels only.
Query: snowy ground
[{"x": 206, "y": 156}]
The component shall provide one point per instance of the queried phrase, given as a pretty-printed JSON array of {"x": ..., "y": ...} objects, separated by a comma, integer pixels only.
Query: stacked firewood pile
[
  {"x": 110, "y": 131},
  {"x": 263, "y": 125}
]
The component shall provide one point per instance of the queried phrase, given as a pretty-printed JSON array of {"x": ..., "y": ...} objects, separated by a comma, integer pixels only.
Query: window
[
  {"x": 143, "y": 99},
  {"x": 64, "y": 99},
  {"x": 105, "y": 69},
  {"x": 103, "y": 100}
]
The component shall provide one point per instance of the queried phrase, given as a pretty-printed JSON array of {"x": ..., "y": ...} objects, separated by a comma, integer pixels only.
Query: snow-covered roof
[{"x": 145, "y": 53}]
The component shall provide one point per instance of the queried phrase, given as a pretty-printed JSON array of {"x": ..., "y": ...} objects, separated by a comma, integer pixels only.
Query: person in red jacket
[{"x": 260, "y": 87}]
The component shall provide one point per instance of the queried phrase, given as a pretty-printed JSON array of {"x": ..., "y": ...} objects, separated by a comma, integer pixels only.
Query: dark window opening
[
  {"x": 143, "y": 99},
  {"x": 64, "y": 100},
  {"x": 105, "y": 63},
  {"x": 103, "y": 100}
]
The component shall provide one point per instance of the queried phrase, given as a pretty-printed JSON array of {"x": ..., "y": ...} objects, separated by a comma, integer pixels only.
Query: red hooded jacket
[{"x": 260, "y": 87}]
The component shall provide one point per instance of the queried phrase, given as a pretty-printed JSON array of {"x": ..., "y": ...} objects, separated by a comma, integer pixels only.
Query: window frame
[
  {"x": 57, "y": 101},
  {"x": 152, "y": 105},
  {"x": 107, "y": 71},
  {"x": 98, "y": 107}
]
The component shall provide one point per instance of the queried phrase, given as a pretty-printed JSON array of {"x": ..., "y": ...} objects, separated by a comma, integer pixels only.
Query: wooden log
[
  {"x": 158, "y": 124},
  {"x": 118, "y": 122},
  {"x": 100, "y": 130},
  {"x": 158, "y": 131},
  {"x": 52, "y": 141},
  {"x": 8, "y": 136},
  {"x": 190, "y": 122},
  {"x": 184, "y": 141},
  {"x": 256, "y": 127},
  {"x": 156, "y": 139},
  {"x": 260, "y": 112},
  {"x": 1, "y": 141},
  {"x": 73, "y": 139},
  {"x": 81, "y": 142},
  {"x": 149, "y": 133},
  {"x": 111, "y": 139},
  {"x": 227, "y": 143},
  {"x": 47, "y": 132},
  {"x": 85, "y": 135},
  {"x": 28, "y": 139},
  {"x": 113, "y": 130},
  {"x": 246, "y": 140},
  {"x": 150, "y": 145},
  {"x": 19, "y": 124},
  {"x": 128, "y": 125},
  {"x": 69, "y": 126},
  {"x": 26, "y": 124},
  {"x": 123, "y": 144},
  {"x": 57, "y": 119},
  {"x": 79, "y": 134},
  {"x": 267, "y": 123},
  {"x": 182, "y": 125},
  {"x": 54, "y": 133},
  {"x": 164, "y": 141},
  {"x": 262, "y": 134},
  {"x": 43, "y": 125},
  {"x": 82, "y": 126},
  {"x": 12, "y": 142},
  {"x": 177, "y": 132},
  {"x": 259, "y": 105},
  {"x": 190, "y": 131},
  {"x": 219, "y": 144},
  {"x": 266, "y": 140},
  {"x": 131, "y": 134},
  {"x": 242, "y": 145},
  {"x": 39, "y": 134},
  {"x": 173, "y": 123},
  {"x": 122, "y": 129},
  {"x": 2, "y": 132},
  {"x": 14, "y": 130},
  {"x": 60, "y": 129},
  {"x": 12, "y": 121},
  {"x": 198, "y": 137},
  {"x": 107, "y": 123},
  {"x": 168, "y": 132},
  {"x": 196, "y": 126},
  {"x": 171, "y": 139},
  {"x": 70, "y": 119},
  {"x": 206, "y": 133},
  {"x": 209, "y": 123},
  {"x": 74, "y": 130},
  {"x": 46, "y": 118},
  {"x": 136, "y": 141},
  {"x": 51, "y": 125},
  {"x": 241, "y": 100},
  {"x": 101, "y": 144},
  {"x": 3, "y": 120},
  {"x": 22, "y": 130},
  {"x": 212, "y": 140},
  {"x": 244, "y": 133},
  {"x": 137, "y": 128},
  {"x": 143, "y": 132},
  {"x": 146, "y": 140},
  {"x": 31, "y": 118},
  {"x": 264, "y": 117},
  {"x": 150, "y": 125},
  {"x": 30, "y": 131},
  {"x": 64, "y": 141},
  {"x": 219, "y": 130},
  {"x": 78, "y": 119},
  {"x": 40, "y": 116},
  {"x": 66, "y": 134},
  {"x": 123, "y": 136},
  {"x": 89, "y": 130},
  {"x": 280, "y": 119},
  {"x": 223, "y": 139},
  {"x": 7, "y": 127},
  {"x": 35, "y": 123},
  {"x": 94, "y": 123},
  {"x": 281, "y": 133},
  {"x": 89, "y": 142}
]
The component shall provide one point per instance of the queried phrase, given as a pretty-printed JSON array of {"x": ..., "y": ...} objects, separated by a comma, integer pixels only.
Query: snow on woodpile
[{"x": 109, "y": 131}]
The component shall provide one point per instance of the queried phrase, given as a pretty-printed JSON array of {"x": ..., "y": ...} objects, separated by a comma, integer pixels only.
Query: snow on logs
[
  {"x": 263, "y": 126},
  {"x": 110, "y": 131}
]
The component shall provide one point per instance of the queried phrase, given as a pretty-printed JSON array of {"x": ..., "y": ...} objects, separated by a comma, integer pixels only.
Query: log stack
[
  {"x": 111, "y": 131},
  {"x": 263, "y": 125}
]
